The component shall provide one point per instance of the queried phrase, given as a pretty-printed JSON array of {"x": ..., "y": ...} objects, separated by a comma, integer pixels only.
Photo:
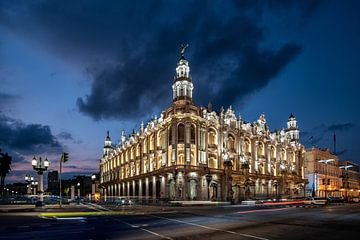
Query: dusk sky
[{"x": 71, "y": 70}]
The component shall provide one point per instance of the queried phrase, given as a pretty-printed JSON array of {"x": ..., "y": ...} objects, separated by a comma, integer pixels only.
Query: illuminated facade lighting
[{"x": 171, "y": 156}]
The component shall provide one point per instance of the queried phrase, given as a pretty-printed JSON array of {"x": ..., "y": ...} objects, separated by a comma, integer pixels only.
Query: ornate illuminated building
[{"x": 195, "y": 153}]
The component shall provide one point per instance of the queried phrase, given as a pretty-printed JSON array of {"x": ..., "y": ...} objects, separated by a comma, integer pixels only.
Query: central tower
[{"x": 182, "y": 86}]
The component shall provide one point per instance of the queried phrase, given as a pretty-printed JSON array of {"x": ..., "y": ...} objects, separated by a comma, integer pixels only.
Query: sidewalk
[
  {"x": 198, "y": 203},
  {"x": 46, "y": 208}
]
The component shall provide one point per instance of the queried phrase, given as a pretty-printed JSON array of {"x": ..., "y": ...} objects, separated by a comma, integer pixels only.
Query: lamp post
[
  {"x": 93, "y": 186},
  {"x": 78, "y": 185},
  {"x": 326, "y": 161},
  {"x": 40, "y": 166},
  {"x": 29, "y": 179},
  {"x": 347, "y": 179},
  {"x": 34, "y": 185}
]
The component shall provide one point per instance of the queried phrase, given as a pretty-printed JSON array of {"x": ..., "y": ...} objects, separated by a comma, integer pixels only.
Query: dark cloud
[
  {"x": 324, "y": 132},
  {"x": 7, "y": 99},
  {"x": 341, "y": 152},
  {"x": 129, "y": 49},
  {"x": 65, "y": 136},
  {"x": 340, "y": 127},
  {"x": 22, "y": 138}
]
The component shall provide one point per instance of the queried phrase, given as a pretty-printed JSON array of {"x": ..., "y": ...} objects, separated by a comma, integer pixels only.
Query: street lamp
[
  {"x": 78, "y": 185},
  {"x": 347, "y": 179},
  {"x": 29, "y": 180},
  {"x": 326, "y": 161},
  {"x": 40, "y": 166},
  {"x": 34, "y": 184},
  {"x": 93, "y": 187}
]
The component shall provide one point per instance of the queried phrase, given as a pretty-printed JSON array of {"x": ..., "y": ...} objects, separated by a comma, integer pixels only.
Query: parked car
[
  {"x": 335, "y": 200},
  {"x": 122, "y": 201},
  {"x": 315, "y": 201}
]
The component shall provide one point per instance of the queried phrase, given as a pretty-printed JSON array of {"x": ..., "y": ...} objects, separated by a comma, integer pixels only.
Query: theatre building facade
[{"x": 191, "y": 152}]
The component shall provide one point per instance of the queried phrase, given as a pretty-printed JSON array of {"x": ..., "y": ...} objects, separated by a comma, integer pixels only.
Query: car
[
  {"x": 335, "y": 200},
  {"x": 122, "y": 201},
  {"x": 315, "y": 201}
]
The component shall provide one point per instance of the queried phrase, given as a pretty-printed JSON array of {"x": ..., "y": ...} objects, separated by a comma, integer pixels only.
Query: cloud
[
  {"x": 129, "y": 49},
  {"x": 22, "y": 138},
  {"x": 65, "y": 136},
  {"x": 340, "y": 127},
  {"x": 323, "y": 131},
  {"x": 7, "y": 99}
]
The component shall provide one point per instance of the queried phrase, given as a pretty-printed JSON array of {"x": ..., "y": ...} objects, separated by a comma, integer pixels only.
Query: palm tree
[{"x": 5, "y": 162}]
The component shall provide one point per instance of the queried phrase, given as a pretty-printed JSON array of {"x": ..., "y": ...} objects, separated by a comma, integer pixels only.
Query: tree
[
  {"x": 66, "y": 191},
  {"x": 5, "y": 162}
]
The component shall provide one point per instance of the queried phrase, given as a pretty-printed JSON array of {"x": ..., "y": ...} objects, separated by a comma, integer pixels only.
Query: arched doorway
[
  {"x": 213, "y": 191},
  {"x": 131, "y": 190},
  {"x": 172, "y": 190},
  {"x": 193, "y": 189},
  {"x": 150, "y": 190},
  {"x": 137, "y": 190},
  {"x": 143, "y": 189},
  {"x": 158, "y": 189}
]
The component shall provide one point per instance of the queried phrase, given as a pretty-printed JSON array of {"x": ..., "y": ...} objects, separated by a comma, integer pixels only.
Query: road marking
[
  {"x": 211, "y": 228},
  {"x": 264, "y": 210},
  {"x": 100, "y": 209},
  {"x": 146, "y": 230}
]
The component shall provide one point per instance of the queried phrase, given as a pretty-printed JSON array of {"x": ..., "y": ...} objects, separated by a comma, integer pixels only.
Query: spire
[{"x": 108, "y": 136}]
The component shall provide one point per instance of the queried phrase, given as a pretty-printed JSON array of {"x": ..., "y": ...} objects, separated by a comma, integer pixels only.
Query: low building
[
  {"x": 350, "y": 188},
  {"x": 53, "y": 183},
  {"x": 323, "y": 173}
]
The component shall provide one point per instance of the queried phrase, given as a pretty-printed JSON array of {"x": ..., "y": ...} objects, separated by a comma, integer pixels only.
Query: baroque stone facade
[{"x": 195, "y": 153}]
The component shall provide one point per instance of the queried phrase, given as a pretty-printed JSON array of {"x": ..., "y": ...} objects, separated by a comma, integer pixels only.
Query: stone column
[{"x": 228, "y": 181}]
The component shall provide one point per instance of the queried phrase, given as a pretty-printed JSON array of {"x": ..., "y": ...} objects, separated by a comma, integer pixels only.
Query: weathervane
[{"x": 183, "y": 47}]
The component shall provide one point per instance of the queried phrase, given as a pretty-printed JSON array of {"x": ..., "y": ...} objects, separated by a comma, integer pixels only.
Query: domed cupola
[
  {"x": 292, "y": 128},
  {"x": 107, "y": 144},
  {"x": 182, "y": 86}
]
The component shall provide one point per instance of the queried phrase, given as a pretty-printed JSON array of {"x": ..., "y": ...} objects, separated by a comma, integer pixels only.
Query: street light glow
[{"x": 326, "y": 160}]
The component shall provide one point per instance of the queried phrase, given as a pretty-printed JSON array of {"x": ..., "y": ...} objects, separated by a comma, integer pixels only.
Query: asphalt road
[{"x": 330, "y": 222}]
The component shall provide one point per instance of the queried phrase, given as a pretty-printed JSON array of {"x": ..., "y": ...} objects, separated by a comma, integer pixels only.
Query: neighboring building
[
  {"x": 16, "y": 189},
  {"x": 193, "y": 152},
  {"x": 82, "y": 186},
  {"x": 350, "y": 188},
  {"x": 53, "y": 183},
  {"x": 324, "y": 177}
]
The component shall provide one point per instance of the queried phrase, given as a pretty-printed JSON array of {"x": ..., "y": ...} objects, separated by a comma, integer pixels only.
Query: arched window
[
  {"x": 152, "y": 141},
  {"x": 211, "y": 137},
  {"x": 247, "y": 146},
  {"x": 138, "y": 150},
  {"x": 192, "y": 134},
  {"x": 145, "y": 146},
  {"x": 261, "y": 149},
  {"x": 170, "y": 135},
  {"x": 283, "y": 156},
  {"x": 181, "y": 133},
  {"x": 159, "y": 139},
  {"x": 132, "y": 153},
  {"x": 272, "y": 153},
  {"x": 231, "y": 143}
]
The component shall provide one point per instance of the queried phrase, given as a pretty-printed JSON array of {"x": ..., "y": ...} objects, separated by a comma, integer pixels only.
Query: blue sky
[{"x": 70, "y": 71}]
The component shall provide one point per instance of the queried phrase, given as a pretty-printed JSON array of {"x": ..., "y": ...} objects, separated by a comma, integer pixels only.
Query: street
[{"x": 226, "y": 222}]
